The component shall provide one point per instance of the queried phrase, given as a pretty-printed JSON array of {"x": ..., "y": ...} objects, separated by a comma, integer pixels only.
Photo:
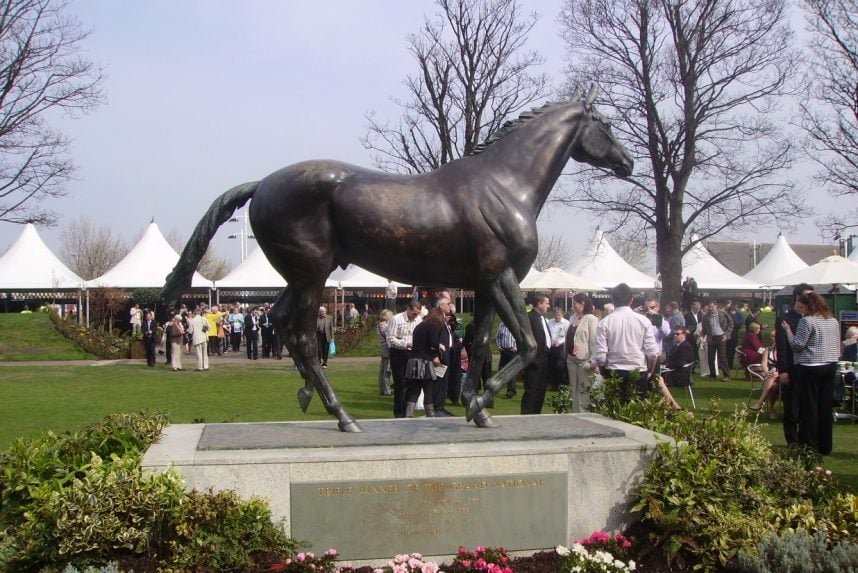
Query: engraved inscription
[{"x": 376, "y": 519}]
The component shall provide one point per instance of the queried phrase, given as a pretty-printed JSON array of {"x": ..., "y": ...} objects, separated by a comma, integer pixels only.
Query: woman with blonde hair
[{"x": 580, "y": 338}]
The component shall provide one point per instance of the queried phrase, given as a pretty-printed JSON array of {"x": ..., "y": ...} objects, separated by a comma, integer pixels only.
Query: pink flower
[
  {"x": 480, "y": 564},
  {"x": 331, "y": 552},
  {"x": 480, "y": 549},
  {"x": 429, "y": 568},
  {"x": 300, "y": 557},
  {"x": 466, "y": 563},
  {"x": 414, "y": 563}
]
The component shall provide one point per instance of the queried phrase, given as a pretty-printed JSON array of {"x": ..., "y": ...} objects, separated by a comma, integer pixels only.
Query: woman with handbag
[
  {"x": 424, "y": 364},
  {"x": 580, "y": 337}
]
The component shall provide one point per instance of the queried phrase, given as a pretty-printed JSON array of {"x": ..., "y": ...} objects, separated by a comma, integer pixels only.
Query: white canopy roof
[
  {"x": 556, "y": 278},
  {"x": 30, "y": 264},
  {"x": 254, "y": 271},
  {"x": 830, "y": 270},
  {"x": 354, "y": 276},
  {"x": 779, "y": 261},
  {"x": 602, "y": 265},
  {"x": 146, "y": 265},
  {"x": 709, "y": 273}
]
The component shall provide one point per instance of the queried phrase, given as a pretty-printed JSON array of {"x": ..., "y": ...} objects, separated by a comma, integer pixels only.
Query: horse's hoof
[
  {"x": 474, "y": 407},
  {"x": 483, "y": 420},
  {"x": 350, "y": 426},
  {"x": 304, "y": 397}
]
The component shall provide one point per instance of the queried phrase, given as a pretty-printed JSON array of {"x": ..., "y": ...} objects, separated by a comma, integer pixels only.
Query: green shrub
[
  {"x": 799, "y": 552},
  {"x": 81, "y": 499},
  {"x": 221, "y": 532},
  {"x": 716, "y": 491},
  {"x": 111, "y": 511}
]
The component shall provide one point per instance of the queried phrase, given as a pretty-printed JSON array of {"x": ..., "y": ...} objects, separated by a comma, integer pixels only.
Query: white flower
[
  {"x": 562, "y": 551},
  {"x": 632, "y": 566}
]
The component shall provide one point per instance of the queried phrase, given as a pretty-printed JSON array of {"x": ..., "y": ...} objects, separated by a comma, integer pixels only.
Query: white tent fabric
[
  {"x": 830, "y": 270},
  {"x": 602, "y": 265},
  {"x": 530, "y": 277},
  {"x": 254, "y": 271},
  {"x": 779, "y": 261},
  {"x": 30, "y": 264},
  {"x": 354, "y": 276},
  {"x": 146, "y": 265},
  {"x": 709, "y": 273},
  {"x": 556, "y": 278},
  {"x": 853, "y": 256}
]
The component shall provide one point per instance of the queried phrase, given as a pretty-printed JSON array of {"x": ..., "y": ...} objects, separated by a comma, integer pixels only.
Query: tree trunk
[{"x": 669, "y": 248}]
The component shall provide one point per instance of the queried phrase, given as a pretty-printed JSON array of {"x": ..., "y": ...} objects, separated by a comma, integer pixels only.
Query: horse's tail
[{"x": 222, "y": 208}]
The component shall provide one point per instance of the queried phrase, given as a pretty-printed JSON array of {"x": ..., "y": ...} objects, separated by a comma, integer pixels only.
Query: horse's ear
[{"x": 591, "y": 96}]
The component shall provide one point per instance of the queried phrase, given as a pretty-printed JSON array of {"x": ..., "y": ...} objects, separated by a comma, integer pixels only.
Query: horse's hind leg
[{"x": 298, "y": 320}]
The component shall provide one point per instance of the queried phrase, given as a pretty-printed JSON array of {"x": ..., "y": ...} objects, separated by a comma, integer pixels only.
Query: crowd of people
[
  {"x": 208, "y": 330},
  {"x": 425, "y": 352}
]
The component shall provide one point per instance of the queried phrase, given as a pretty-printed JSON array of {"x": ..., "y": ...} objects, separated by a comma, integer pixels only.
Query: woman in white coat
[{"x": 580, "y": 338}]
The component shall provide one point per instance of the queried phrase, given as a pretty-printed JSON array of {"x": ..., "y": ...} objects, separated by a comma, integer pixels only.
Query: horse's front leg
[
  {"x": 484, "y": 315},
  {"x": 506, "y": 298}
]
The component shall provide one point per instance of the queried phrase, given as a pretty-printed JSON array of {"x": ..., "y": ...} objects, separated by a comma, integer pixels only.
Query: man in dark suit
[
  {"x": 535, "y": 375},
  {"x": 251, "y": 333},
  {"x": 787, "y": 371},
  {"x": 267, "y": 331},
  {"x": 680, "y": 360},
  {"x": 149, "y": 328}
]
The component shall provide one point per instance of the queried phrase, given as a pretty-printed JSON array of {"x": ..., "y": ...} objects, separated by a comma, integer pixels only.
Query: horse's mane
[{"x": 513, "y": 124}]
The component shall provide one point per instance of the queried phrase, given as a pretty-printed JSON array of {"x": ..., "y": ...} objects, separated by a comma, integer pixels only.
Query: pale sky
[{"x": 203, "y": 95}]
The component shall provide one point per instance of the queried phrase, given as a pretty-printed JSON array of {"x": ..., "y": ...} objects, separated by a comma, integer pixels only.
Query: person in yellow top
[{"x": 215, "y": 319}]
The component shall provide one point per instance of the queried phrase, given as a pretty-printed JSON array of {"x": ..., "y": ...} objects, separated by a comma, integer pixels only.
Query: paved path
[{"x": 229, "y": 358}]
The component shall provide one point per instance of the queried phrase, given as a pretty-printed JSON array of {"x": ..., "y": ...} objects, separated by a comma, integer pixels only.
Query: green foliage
[
  {"x": 81, "y": 499},
  {"x": 51, "y": 462},
  {"x": 799, "y": 552},
  {"x": 221, "y": 532},
  {"x": 110, "y": 511},
  {"x": 561, "y": 403},
  {"x": 722, "y": 487},
  {"x": 93, "y": 340},
  {"x": 145, "y": 297}
]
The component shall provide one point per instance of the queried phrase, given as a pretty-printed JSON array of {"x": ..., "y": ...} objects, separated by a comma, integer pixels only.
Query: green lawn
[
  {"x": 37, "y": 398},
  {"x": 25, "y": 337}
]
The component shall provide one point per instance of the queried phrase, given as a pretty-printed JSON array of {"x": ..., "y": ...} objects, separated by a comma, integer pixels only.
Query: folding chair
[
  {"x": 758, "y": 378},
  {"x": 663, "y": 370}
]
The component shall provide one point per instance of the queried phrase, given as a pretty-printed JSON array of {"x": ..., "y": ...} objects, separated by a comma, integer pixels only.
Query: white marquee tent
[
  {"x": 779, "y": 261},
  {"x": 354, "y": 276},
  {"x": 146, "y": 265},
  {"x": 830, "y": 270},
  {"x": 556, "y": 278},
  {"x": 254, "y": 271},
  {"x": 709, "y": 273},
  {"x": 602, "y": 265},
  {"x": 30, "y": 265}
]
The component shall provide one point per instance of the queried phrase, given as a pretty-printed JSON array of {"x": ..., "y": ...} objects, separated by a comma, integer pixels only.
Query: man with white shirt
[
  {"x": 625, "y": 343},
  {"x": 535, "y": 375},
  {"x": 557, "y": 356},
  {"x": 400, "y": 330}
]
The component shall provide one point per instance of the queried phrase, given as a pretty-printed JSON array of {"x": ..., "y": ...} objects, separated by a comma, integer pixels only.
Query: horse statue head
[{"x": 596, "y": 144}]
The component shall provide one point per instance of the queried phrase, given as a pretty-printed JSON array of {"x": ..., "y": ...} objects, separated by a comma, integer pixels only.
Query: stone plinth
[{"x": 425, "y": 485}]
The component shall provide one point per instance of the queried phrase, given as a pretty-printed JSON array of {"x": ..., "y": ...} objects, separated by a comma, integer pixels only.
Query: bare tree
[
  {"x": 554, "y": 251},
  {"x": 211, "y": 266},
  {"x": 694, "y": 87},
  {"x": 89, "y": 251},
  {"x": 474, "y": 72},
  {"x": 41, "y": 70},
  {"x": 830, "y": 108}
]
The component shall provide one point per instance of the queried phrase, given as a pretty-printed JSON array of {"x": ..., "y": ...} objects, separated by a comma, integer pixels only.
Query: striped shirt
[
  {"x": 400, "y": 330},
  {"x": 504, "y": 339},
  {"x": 816, "y": 341}
]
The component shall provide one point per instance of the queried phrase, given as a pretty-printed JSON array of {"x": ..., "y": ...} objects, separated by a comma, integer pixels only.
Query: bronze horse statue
[{"x": 310, "y": 217}]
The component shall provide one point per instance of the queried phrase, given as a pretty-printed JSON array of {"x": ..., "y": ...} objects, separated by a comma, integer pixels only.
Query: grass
[
  {"x": 27, "y": 337},
  {"x": 37, "y": 398}
]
